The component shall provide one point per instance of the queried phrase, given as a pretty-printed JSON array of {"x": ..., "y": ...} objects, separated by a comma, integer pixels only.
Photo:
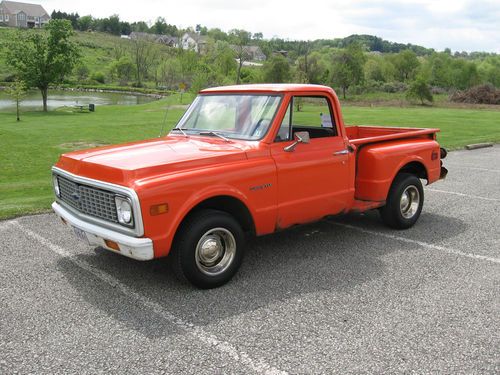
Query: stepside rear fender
[{"x": 379, "y": 163}]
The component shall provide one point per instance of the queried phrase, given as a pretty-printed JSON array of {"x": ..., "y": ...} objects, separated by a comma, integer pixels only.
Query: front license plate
[{"x": 81, "y": 235}]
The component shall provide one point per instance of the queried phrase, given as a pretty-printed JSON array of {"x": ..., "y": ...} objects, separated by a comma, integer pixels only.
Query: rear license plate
[{"x": 81, "y": 235}]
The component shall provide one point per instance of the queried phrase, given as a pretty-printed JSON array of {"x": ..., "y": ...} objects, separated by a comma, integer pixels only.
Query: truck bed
[{"x": 360, "y": 135}]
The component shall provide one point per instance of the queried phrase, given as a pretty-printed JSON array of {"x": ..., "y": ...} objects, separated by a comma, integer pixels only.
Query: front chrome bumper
[{"x": 132, "y": 247}]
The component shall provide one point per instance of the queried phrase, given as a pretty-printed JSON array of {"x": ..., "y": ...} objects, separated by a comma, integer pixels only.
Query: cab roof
[{"x": 267, "y": 87}]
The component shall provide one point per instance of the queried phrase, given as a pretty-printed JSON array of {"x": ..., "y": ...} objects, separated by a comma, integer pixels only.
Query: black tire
[
  {"x": 403, "y": 212},
  {"x": 208, "y": 249}
]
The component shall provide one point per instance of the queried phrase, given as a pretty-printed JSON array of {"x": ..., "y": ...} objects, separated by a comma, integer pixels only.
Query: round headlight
[
  {"x": 56, "y": 185},
  {"x": 123, "y": 210}
]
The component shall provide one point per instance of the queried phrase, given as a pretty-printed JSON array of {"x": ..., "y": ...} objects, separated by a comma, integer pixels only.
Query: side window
[
  {"x": 313, "y": 114},
  {"x": 308, "y": 113}
]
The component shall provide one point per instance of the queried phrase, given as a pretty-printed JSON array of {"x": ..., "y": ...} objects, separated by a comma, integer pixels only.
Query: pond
[{"x": 60, "y": 98}]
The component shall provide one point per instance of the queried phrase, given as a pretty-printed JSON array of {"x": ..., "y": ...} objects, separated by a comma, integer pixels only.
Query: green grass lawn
[{"x": 29, "y": 148}]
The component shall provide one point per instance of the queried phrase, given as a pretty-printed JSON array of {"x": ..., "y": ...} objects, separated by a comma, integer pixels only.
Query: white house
[{"x": 194, "y": 42}]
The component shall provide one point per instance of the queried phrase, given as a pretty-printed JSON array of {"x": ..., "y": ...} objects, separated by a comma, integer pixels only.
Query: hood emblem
[{"x": 75, "y": 196}]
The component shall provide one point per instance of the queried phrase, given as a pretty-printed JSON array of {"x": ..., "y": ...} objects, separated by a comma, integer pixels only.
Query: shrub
[
  {"x": 82, "y": 72},
  {"x": 394, "y": 87},
  {"x": 419, "y": 89},
  {"x": 98, "y": 77}
]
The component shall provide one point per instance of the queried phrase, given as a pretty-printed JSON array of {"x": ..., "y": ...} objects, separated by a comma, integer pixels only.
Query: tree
[
  {"x": 257, "y": 36},
  {"x": 315, "y": 67},
  {"x": 440, "y": 69},
  {"x": 44, "y": 59},
  {"x": 170, "y": 72},
  {"x": 489, "y": 70},
  {"x": 85, "y": 23},
  {"x": 82, "y": 72},
  {"x": 240, "y": 38},
  {"x": 159, "y": 27},
  {"x": 17, "y": 91},
  {"x": 140, "y": 26},
  {"x": 464, "y": 74},
  {"x": 406, "y": 63},
  {"x": 277, "y": 69},
  {"x": 145, "y": 54},
  {"x": 217, "y": 34},
  {"x": 221, "y": 57},
  {"x": 123, "y": 68},
  {"x": 347, "y": 69},
  {"x": 419, "y": 89},
  {"x": 73, "y": 17}
]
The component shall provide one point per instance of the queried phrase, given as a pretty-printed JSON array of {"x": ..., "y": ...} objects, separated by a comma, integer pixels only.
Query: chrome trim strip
[
  {"x": 137, "y": 231},
  {"x": 341, "y": 152}
]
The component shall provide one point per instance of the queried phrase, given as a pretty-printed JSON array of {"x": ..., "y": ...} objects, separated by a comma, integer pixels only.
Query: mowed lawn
[{"x": 29, "y": 148}]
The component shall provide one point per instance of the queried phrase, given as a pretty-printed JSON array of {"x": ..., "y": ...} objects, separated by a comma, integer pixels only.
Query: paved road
[{"x": 339, "y": 296}]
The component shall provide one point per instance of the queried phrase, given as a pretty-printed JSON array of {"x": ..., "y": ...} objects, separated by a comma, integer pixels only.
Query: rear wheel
[
  {"x": 208, "y": 249},
  {"x": 404, "y": 202}
]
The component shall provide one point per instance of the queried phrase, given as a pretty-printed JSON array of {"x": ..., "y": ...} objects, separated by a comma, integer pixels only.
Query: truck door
[{"x": 313, "y": 178}]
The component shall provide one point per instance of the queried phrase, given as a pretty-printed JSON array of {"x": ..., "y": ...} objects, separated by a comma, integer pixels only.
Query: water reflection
[{"x": 58, "y": 98}]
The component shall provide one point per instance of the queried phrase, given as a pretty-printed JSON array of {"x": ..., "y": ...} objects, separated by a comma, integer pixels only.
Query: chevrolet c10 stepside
[{"x": 242, "y": 161}]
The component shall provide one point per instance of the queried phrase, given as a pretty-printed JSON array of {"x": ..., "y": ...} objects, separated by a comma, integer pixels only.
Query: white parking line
[
  {"x": 473, "y": 168},
  {"x": 420, "y": 243},
  {"x": 257, "y": 365},
  {"x": 464, "y": 195}
]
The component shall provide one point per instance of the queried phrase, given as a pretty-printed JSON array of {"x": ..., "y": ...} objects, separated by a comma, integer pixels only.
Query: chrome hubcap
[
  {"x": 215, "y": 251},
  {"x": 410, "y": 200}
]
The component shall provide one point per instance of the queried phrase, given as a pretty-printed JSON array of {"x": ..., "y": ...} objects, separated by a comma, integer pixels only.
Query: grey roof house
[
  {"x": 168, "y": 40},
  {"x": 17, "y": 14}
]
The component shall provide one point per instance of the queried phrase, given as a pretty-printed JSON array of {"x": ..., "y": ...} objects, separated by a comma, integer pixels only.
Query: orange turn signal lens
[
  {"x": 158, "y": 209},
  {"x": 112, "y": 245}
]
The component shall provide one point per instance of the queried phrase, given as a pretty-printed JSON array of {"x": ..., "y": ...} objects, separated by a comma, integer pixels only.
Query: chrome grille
[{"x": 88, "y": 200}]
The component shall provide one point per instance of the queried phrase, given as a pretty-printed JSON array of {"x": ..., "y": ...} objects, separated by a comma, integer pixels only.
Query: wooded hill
[{"x": 356, "y": 64}]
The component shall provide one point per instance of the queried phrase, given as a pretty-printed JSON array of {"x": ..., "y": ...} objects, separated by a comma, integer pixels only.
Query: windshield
[{"x": 245, "y": 117}]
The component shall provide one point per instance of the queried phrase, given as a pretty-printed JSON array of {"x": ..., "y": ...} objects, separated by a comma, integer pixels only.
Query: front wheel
[
  {"x": 208, "y": 249},
  {"x": 404, "y": 202}
]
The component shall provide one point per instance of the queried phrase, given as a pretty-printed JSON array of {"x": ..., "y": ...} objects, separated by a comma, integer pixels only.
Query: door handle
[{"x": 341, "y": 152}]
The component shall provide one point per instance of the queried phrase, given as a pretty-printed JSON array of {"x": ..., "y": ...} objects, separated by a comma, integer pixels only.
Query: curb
[{"x": 475, "y": 146}]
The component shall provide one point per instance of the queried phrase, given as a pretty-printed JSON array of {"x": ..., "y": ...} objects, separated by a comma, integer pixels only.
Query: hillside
[
  {"x": 379, "y": 65},
  {"x": 98, "y": 50}
]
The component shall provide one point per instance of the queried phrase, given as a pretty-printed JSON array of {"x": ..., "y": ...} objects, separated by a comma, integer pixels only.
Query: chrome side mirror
[{"x": 300, "y": 137}]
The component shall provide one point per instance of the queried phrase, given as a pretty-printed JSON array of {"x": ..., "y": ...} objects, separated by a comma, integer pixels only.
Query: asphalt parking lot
[{"x": 340, "y": 296}]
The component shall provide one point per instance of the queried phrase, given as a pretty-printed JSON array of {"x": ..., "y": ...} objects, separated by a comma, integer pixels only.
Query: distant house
[
  {"x": 250, "y": 53},
  {"x": 141, "y": 35},
  {"x": 194, "y": 42},
  {"x": 23, "y": 15},
  {"x": 168, "y": 40},
  {"x": 280, "y": 52},
  {"x": 255, "y": 53}
]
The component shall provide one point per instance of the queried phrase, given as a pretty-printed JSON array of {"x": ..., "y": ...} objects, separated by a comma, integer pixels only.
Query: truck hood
[{"x": 127, "y": 163}]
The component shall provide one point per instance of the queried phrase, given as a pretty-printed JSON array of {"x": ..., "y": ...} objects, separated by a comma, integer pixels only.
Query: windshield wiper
[
  {"x": 180, "y": 129},
  {"x": 216, "y": 134}
]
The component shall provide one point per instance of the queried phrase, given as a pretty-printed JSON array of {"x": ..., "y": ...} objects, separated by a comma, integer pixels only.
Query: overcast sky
[{"x": 463, "y": 25}]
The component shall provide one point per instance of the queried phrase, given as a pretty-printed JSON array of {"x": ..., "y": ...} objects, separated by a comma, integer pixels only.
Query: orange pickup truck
[{"x": 242, "y": 161}]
